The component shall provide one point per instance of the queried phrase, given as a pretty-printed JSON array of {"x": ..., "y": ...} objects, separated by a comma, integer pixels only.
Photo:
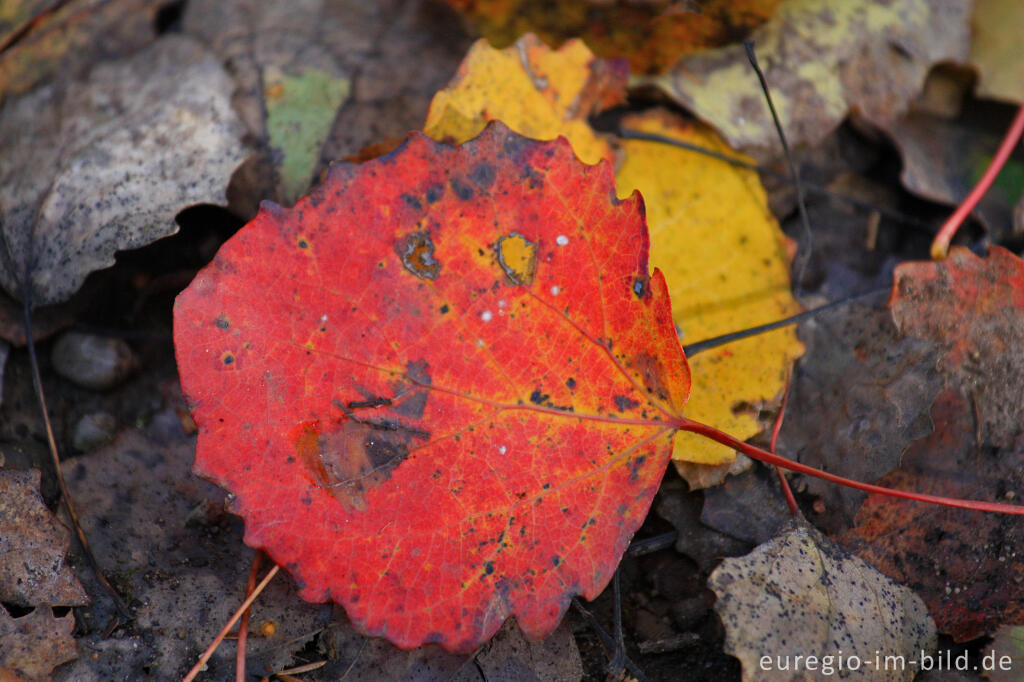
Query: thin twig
[{"x": 808, "y": 245}]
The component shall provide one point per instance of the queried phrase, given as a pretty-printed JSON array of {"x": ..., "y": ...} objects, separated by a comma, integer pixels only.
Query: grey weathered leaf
[
  {"x": 801, "y": 595},
  {"x": 105, "y": 163}
]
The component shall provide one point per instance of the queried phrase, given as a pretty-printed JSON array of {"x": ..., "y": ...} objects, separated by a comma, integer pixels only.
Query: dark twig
[
  {"x": 715, "y": 341},
  {"x": 749, "y": 45}
]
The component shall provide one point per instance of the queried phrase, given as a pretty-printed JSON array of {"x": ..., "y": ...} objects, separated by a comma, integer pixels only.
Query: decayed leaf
[
  {"x": 697, "y": 204},
  {"x": 801, "y": 595},
  {"x": 943, "y": 161},
  {"x": 69, "y": 37},
  {"x": 967, "y": 566},
  {"x": 106, "y": 164},
  {"x": 449, "y": 396},
  {"x": 33, "y": 645},
  {"x": 995, "y": 49},
  {"x": 32, "y": 546},
  {"x": 821, "y": 59},
  {"x": 535, "y": 91},
  {"x": 859, "y": 397},
  {"x": 972, "y": 308},
  {"x": 653, "y": 34}
]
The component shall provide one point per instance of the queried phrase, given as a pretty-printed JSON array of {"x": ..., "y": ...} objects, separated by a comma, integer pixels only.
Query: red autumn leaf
[{"x": 442, "y": 388}]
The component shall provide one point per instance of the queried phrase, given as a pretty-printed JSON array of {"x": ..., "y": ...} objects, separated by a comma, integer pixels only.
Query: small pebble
[
  {"x": 95, "y": 362},
  {"x": 93, "y": 430}
]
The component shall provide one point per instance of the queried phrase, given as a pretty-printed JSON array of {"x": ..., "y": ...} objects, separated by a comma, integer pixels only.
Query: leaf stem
[
  {"x": 940, "y": 246},
  {"x": 714, "y": 434}
]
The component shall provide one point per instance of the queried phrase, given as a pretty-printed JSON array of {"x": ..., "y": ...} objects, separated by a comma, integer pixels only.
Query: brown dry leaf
[
  {"x": 107, "y": 163},
  {"x": 858, "y": 398},
  {"x": 33, "y": 645},
  {"x": 652, "y": 34},
  {"x": 69, "y": 37},
  {"x": 967, "y": 566},
  {"x": 802, "y": 595},
  {"x": 821, "y": 59},
  {"x": 943, "y": 161},
  {"x": 32, "y": 546},
  {"x": 995, "y": 49},
  {"x": 536, "y": 91}
]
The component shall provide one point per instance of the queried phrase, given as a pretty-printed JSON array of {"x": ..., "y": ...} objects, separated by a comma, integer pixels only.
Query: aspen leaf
[{"x": 416, "y": 420}]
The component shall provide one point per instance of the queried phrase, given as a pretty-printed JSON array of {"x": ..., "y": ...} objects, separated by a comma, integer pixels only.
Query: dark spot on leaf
[
  {"x": 624, "y": 403},
  {"x": 418, "y": 371},
  {"x": 462, "y": 190},
  {"x": 351, "y": 457},
  {"x": 413, "y": 406},
  {"x": 517, "y": 257},
  {"x": 488, "y": 568},
  {"x": 412, "y": 201},
  {"x": 303, "y": 244},
  {"x": 434, "y": 193},
  {"x": 555, "y": 560},
  {"x": 538, "y": 398},
  {"x": 571, "y": 383},
  {"x": 640, "y": 287},
  {"x": 444, "y": 309},
  {"x": 417, "y": 253},
  {"x": 222, "y": 322},
  {"x": 483, "y": 175},
  {"x": 228, "y": 358}
]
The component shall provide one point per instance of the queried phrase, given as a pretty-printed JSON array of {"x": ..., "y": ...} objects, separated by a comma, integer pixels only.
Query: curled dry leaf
[
  {"x": 450, "y": 395},
  {"x": 821, "y": 59},
  {"x": 32, "y": 546},
  {"x": 106, "y": 163},
  {"x": 800, "y": 595},
  {"x": 943, "y": 161}
]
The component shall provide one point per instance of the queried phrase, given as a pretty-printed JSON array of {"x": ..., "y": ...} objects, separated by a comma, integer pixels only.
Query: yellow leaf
[
  {"x": 534, "y": 90},
  {"x": 724, "y": 260}
]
